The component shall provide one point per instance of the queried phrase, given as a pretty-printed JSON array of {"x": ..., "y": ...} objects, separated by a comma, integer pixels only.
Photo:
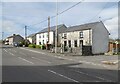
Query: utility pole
[
  {"x": 25, "y": 34},
  {"x": 56, "y": 27},
  {"x": 48, "y": 29},
  {"x": 2, "y": 36}
]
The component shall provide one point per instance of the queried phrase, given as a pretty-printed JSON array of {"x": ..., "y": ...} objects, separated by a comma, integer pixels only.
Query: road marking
[
  {"x": 41, "y": 60},
  {"x": 92, "y": 76},
  {"x": 12, "y": 54},
  {"x": 25, "y": 60},
  {"x": 23, "y": 53},
  {"x": 63, "y": 76},
  {"x": 91, "y": 63},
  {"x": 33, "y": 51},
  {"x": 5, "y": 50},
  {"x": 14, "y": 51}
]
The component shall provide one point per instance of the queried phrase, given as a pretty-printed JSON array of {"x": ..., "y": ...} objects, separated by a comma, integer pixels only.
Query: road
[{"x": 28, "y": 65}]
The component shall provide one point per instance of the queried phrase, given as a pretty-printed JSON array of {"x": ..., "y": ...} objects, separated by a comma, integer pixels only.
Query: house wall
[
  {"x": 32, "y": 39},
  {"x": 10, "y": 41},
  {"x": 87, "y": 37},
  {"x": 17, "y": 39},
  {"x": 100, "y": 38},
  {"x": 29, "y": 39},
  {"x": 44, "y": 36}
]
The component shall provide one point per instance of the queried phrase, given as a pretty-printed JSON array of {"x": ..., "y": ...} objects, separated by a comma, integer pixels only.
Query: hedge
[{"x": 31, "y": 45}]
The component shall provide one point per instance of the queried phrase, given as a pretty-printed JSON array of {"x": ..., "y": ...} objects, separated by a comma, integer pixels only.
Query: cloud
[
  {"x": 58, "y": 0},
  {"x": 9, "y": 27},
  {"x": 112, "y": 26},
  {"x": 18, "y": 14}
]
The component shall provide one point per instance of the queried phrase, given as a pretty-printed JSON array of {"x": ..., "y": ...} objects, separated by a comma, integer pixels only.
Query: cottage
[
  {"x": 90, "y": 38},
  {"x": 42, "y": 36},
  {"x": 11, "y": 40},
  {"x": 32, "y": 38}
]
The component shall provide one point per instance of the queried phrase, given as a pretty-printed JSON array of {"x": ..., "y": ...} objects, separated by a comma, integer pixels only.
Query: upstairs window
[
  {"x": 65, "y": 36},
  {"x": 81, "y": 34},
  {"x": 40, "y": 36}
]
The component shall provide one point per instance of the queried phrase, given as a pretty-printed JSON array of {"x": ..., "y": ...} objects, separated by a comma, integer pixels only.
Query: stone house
[{"x": 90, "y": 38}]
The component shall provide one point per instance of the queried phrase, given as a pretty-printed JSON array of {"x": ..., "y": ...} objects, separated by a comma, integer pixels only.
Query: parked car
[{"x": 15, "y": 44}]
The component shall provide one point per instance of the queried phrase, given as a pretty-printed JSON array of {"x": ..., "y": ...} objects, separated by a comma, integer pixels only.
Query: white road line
[
  {"x": 25, "y": 60},
  {"x": 33, "y": 51},
  {"x": 41, "y": 60},
  {"x": 23, "y": 53},
  {"x": 12, "y": 54},
  {"x": 91, "y": 63},
  {"x": 92, "y": 76},
  {"x": 14, "y": 51},
  {"x": 63, "y": 76},
  {"x": 5, "y": 50}
]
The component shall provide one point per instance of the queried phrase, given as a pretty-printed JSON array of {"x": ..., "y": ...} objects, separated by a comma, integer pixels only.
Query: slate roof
[
  {"x": 13, "y": 36},
  {"x": 53, "y": 28},
  {"x": 81, "y": 27},
  {"x": 31, "y": 35}
]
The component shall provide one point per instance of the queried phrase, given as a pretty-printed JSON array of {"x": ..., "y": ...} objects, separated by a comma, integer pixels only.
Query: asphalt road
[{"x": 28, "y": 65}]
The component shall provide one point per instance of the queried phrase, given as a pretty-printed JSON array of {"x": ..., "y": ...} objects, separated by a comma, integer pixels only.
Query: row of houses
[{"x": 90, "y": 37}]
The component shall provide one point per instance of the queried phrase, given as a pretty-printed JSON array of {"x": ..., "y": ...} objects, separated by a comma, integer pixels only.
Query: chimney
[{"x": 13, "y": 34}]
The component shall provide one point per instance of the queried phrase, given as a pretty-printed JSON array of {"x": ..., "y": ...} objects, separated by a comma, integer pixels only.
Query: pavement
[{"x": 35, "y": 65}]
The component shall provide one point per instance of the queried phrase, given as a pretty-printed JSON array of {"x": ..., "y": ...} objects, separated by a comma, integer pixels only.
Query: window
[
  {"x": 65, "y": 36},
  {"x": 40, "y": 36},
  {"x": 43, "y": 36},
  {"x": 65, "y": 43},
  {"x": 69, "y": 43},
  {"x": 81, "y": 34},
  {"x": 75, "y": 43}
]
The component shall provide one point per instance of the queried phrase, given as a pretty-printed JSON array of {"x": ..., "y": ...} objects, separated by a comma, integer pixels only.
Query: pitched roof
[
  {"x": 31, "y": 35},
  {"x": 81, "y": 27},
  {"x": 14, "y": 35},
  {"x": 53, "y": 28}
]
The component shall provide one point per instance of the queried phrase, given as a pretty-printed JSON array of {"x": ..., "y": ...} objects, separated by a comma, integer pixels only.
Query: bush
[
  {"x": 31, "y": 46},
  {"x": 43, "y": 47},
  {"x": 37, "y": 46}
]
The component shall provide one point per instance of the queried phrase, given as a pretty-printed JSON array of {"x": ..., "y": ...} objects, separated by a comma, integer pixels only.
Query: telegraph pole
[
  {"x": 48, "y": 29},
  {"x": 25, "y": 34},
  {"x": 56, "y": 27},
  {"x": 2, "y": 36}
]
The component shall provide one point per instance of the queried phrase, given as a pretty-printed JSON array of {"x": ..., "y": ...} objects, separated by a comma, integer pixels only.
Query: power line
[
  {"x": 99, "y": 12},
  {"x": 58, "y": 13}
]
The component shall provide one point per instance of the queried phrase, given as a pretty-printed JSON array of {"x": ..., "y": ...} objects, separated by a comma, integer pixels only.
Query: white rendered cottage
[{"x": 42, "y": 36}]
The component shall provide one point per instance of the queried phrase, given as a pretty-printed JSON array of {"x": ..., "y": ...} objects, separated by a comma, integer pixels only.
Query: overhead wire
[{"x": 58, "y": 13}]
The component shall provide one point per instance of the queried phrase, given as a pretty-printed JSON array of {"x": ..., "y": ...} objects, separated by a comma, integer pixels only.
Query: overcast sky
[{"x": 15, "y": 15}]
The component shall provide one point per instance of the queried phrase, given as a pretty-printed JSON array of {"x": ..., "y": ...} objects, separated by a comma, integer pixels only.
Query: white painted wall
[
  {"x": 40, "y": 38},
  {"x": 10, "y": 41},
  {"x": 29, "y": 39},
  {"x": 100, "y": 39}
]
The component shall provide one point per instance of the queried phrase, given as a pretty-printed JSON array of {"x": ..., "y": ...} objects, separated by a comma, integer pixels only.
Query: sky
[{"x": 15, "y": 15}]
